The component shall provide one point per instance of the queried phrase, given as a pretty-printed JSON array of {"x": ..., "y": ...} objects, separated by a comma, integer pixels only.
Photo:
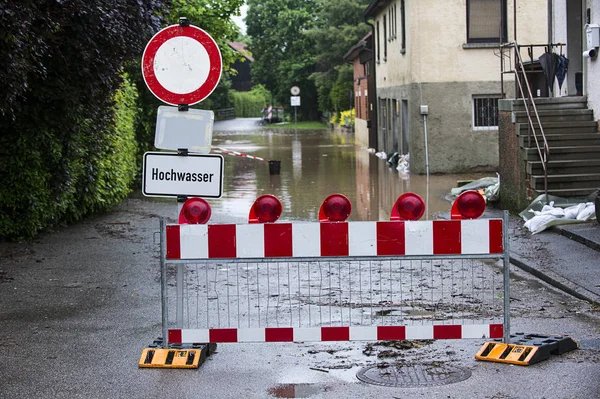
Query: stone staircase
[{"x": 574, "y": 141}]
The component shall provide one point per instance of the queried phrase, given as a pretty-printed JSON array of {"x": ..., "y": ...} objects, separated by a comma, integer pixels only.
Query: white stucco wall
[
  {"x": 591, "y": 67},
  {"x": 435, "y": 39}
]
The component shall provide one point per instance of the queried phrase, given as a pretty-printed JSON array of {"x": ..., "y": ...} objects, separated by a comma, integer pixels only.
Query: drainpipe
[
  {"x": 373, "y": 88},
  {"x": 550, "y": 28}
]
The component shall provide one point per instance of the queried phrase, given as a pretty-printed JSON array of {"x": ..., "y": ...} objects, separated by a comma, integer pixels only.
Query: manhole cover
[{"x": 421, "y": 375}]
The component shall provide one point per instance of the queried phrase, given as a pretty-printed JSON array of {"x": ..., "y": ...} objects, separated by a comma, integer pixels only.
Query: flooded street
[
  {"x": 315, "y": 164},
  {"x": 79, "y": 304}
]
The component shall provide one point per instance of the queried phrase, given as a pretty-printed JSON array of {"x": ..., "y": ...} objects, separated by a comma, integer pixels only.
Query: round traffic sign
[
  {"x": 181, "y": 65},
  {"x": 295, "y": 90}
]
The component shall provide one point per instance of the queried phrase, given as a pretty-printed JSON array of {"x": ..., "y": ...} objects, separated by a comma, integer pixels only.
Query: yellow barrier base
[
  {"x": 526, "y": 349},
  {"x": 172, "y": 358}
]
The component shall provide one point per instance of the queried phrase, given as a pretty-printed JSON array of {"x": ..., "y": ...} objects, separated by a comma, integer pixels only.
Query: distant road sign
[
  {"x": 170, "y": 175},
  {"x": 181, "y": 65},
  {"x": 295, "y": 90},
  {"x": 295, "y": 101}
]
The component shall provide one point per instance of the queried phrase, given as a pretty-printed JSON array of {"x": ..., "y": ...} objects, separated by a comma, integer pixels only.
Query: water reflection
[{"x": 315, "y": 164}]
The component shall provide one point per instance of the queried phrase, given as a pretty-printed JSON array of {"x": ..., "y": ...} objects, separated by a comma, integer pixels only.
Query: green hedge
[
  {"x": 52, "y": 174},
  {"x": 249, "y": 104}
]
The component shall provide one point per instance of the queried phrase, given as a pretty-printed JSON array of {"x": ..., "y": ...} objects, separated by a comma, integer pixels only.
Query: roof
[
  {"x": 241, "y": 48},
  {"x": 359, "y": 47},
  {"x": 375, "y": 7}
]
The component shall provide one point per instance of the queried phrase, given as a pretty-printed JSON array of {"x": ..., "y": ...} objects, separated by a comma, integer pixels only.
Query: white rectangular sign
[
  {"x": 168, "y": 174},
  {"x": 295, "y": 101},
  {"x": 191, "y": 129}
]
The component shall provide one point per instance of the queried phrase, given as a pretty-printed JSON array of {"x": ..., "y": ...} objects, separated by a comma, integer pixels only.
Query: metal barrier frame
[{"x": 164, "y": 262}]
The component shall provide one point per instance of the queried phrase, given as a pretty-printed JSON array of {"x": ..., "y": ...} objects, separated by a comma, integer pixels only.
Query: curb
[
  {"x": 580, "y": 239},
  {"x": 557, "y": 281}
]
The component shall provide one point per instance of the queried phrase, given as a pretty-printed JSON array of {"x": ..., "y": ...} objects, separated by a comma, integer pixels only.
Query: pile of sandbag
[{"x": 550, "y": 215}]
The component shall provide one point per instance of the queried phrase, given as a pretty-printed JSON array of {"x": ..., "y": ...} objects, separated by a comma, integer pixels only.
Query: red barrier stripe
[
  {"x": 278, "y": 240},
  {"x": 221, "y": 241},
  {"x": 173, "y": 242},
  {"x": 223, "y": 335},
  {"x": 446, "y": 237},
  {"x": 391, "y": 333},
  {"x": 175, "y": 337},
  {"x": 334, "y": 239},
  {"x": 496, "y": 243},
  {"x": 496, "y": 330},
  {"x": 447, "y": 332},
  {"x": 279, "y": 334},
  {"x": 390, "y": 238},
  {"x": 335, "y": 333}
]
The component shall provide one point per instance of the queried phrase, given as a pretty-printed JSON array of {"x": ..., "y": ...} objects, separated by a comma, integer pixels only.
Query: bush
[
  {"x": 347, "y": 118},
  {"x": 249, "y": 104},
  {"x": 51, "y": 177}
]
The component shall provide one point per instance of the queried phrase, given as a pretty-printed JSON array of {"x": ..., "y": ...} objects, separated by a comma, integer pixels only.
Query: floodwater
[{"x": 315, "y": 164}]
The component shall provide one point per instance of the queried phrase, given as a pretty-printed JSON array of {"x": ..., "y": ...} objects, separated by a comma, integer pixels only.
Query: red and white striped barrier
[
  {"x": 334, "y": 239},
  {"x": 317, "y": 334},
  {"x": 219, "y": 150}
]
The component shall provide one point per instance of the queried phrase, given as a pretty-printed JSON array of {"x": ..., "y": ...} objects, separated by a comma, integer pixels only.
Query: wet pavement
[{"x": 80, "y": 303}]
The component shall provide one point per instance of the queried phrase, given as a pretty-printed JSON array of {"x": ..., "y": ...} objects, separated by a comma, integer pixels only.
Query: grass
[{"x": 307, "y": 125}]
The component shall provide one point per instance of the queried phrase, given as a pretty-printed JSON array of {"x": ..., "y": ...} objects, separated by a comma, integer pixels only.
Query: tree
[
  {"x": 340, "y": 25},
  {"x": 214, "y": 18},
  {"x": 61, "y": 115},
  {"x": 283, "y": 54},
  {"x": 303, "y": 43}
]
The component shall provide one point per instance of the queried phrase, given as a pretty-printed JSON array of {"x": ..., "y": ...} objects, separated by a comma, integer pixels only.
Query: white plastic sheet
[{"x": 537, "y": 220}]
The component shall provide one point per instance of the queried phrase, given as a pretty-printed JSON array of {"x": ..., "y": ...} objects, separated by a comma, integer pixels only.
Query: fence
[
  {"x": 335, "y": 281},
  {"x": 225, "y": 113}
]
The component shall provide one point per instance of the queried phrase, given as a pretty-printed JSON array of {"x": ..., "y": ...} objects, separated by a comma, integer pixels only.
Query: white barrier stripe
[
  {"x": 193, "y": 240},
  {"x": 363, "y": 333},
  {"x": 306, "y": 239},
  {"x": 192, "y": 336},
  {"x": 475, "y": 236},
  {"x": 362, "y": 239},
  {"x": 419, "y": 332},
  {"x": 251, "y": 335},
  {"x": 476, "y": 331},
  {"x": 418, "y": 238},
  {"x": 250, "y": 240},
  {"x": 309, "y": 334}
]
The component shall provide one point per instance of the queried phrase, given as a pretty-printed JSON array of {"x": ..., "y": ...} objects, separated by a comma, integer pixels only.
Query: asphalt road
[{"x": 78, "y": 305}]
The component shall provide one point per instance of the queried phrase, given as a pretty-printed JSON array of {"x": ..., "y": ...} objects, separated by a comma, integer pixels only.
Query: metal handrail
[{"x": 545, "y": 153}]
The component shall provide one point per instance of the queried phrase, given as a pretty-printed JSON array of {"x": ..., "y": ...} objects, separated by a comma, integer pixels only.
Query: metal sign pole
[
  {"x": 506, "y": 259},
  {"x": 163, "y": 284}
]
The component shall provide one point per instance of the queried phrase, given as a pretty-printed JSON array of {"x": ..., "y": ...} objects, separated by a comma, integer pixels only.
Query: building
[
  {"x": 438, "y": 80},
  {"x": 361, "y": 56},
  {"x": 560, "y": 154},
  {"x": 568, "y": 20},
  {"x": 242, "y": 80}
]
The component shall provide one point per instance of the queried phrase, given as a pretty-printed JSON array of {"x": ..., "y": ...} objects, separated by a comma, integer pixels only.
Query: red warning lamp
[
  {"x": 335, "y": 208},
  {"x": 266, "y": 209},
  {"x": 469, "y": 205},
  {"x": 194, "y": 211},
  {"x": 408, "y": 206}
]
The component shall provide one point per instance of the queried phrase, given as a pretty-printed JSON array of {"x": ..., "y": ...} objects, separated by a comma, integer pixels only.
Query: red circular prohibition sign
[{"x": 194, "y": 95}]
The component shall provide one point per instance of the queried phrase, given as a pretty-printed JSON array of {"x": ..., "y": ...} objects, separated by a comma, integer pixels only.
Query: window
[
  {"x": 485, "y": 112},
  {"x": 402, "y": 21},
  {"x": 393, "y": 22},
  {"x": 486, "y": 21},
  {"x": 378, "y": 44},
  {"x": 384, "y": 37}
]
